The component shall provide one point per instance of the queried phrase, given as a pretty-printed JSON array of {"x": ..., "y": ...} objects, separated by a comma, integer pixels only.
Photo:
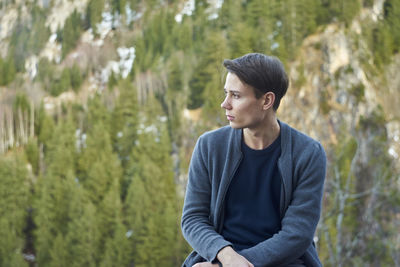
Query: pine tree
[
  {"x": 183, "y": 34},
  {"x": 117, "y": 249},
  {"x": 344, "y": 10},
  {"x": 71, "y": 32},
  {"x": 14, "y": 203},
  {"x": 174, "y": 97},
  {"x": 97, "y": 113},
  {"x": 116, "y": 245},
  {"x": 59, "y": 253},
  {"x": 98, "y": 165},
  {"x": 151, "y": 204},
  {"x": 53, "y": 198},
  {"x": 216, "y": 51},
  {"x": 44, "y": 126},
  {"x": 125, "y": 120},
  {"x": 392, "y": 20},
  {"x": 118, "y": 6},
  {"x": 382, "y": 44},
  {"x": 241, "y": 40},
  {"x": 93, "y": 13},
  {"x": 39, "y": 33},
  {"x": 83, "y": 236},
  {"x": 230, "y": 13},
  {"x": 32, "y": 154},
  {"x": 197, "y": 85},
  {"x": 7, "y": 70},
  {"x": 75, "y": 77}
]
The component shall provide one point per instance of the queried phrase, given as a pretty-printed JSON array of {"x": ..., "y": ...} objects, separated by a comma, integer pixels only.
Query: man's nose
[{"x": 225, "y": 104}]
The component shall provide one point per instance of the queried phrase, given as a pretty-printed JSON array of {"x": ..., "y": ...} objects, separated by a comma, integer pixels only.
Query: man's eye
[{"x": 235, "y": 95}]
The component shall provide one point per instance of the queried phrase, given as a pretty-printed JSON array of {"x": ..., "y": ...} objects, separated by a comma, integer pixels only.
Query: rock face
[
  {"x": 331, "y": 86},
  {"x": 8, "y": 18},
  {"x": 61, "y": 10}
]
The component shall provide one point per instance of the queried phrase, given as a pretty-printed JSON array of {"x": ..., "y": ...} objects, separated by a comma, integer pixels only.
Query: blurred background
[{"x": 101, "y": 103}]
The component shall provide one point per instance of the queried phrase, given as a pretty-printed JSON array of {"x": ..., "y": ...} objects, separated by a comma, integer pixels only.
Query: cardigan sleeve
[
  {"x": 196, "y": 226},
  {"x": 301, "y": 217}
]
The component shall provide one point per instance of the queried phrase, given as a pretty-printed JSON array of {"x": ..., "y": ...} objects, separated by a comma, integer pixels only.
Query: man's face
[{"x": 242, "y": 108}]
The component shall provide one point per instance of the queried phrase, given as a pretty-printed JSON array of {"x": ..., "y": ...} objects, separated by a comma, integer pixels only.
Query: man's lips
[{"x": 229, "y": 117}]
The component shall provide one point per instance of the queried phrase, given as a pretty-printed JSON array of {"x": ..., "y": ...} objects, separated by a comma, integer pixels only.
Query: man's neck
[{"x": 263, "y": 136}]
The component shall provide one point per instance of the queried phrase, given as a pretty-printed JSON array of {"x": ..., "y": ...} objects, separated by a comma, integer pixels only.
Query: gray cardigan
[{"x": 216, "y": 157}]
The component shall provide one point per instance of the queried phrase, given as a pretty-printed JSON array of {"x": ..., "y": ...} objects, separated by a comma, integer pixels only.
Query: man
[{"x": 255, "y": 187}]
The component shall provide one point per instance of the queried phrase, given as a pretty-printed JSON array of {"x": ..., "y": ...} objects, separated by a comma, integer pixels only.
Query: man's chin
[{"x": 235, "y": 126}]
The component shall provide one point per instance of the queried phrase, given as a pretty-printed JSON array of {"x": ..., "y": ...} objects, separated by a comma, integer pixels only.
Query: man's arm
[
  {"x": 196, "y": 226},
  {"x": 300, "y": 219}
]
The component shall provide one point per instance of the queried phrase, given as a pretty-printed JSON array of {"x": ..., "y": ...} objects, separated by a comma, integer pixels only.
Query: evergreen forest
[{"x": 102, "y": 101}]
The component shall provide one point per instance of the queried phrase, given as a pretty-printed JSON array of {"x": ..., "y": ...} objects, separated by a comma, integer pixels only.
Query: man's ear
[{"x": 269, "y": 100}]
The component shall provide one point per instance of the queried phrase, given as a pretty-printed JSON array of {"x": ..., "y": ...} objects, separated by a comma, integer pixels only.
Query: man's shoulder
[
  {"x": 218, "y": 134},
  {"x": 218, "y": 139}
]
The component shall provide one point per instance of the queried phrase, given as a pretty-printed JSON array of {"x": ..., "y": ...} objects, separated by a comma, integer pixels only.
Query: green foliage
[
  {"x": 174, "y": 97},
  {"x": 71, "y": 32},
  {"x": 93, "y": 13},
  {"x": 368, "y": 3},
  {"x": 230, "y": 13},
  {"x": 216, "y": 51},
  {"x": 116, "y": 244},
  {"x": 56, "y": 82},
  {"x": 241, "y": 40},
  {"x": 76, "y": 77},
  {"x": 356, "y": 223},
  {"x": 97, "y": 113},
  {"x": 205, "y": 84},
  {"x": 124, "y": 124},
  {"x": 21, "y": 102},
  {"x": 61, "y": 84},
  {"x": 117, "y": 248},
  {"x": 32, "y": 154},
  {"x": 381, "y": 44},
  {"x": 183, "y": 34},
  {"x": 98, "y": 164},
  {"x": 341, "y": 10},
  {"x": 297, "y": 21},
  {"x": 156, "y": 39},
  {"x": 14, "y": 203},
  {"x": 53, "y": 195},
  {"x": 7, "y": 71},
  {"x": 59, "y": 253},
  {"x": 112, "y": 81},
  {"x": 39, "y": 32},
  {"x": 29, "y": 38},
  {"x": 118, "y": 6},
  {"x": 44, "y": 126},
  {"x": 197, "y": 85},
  {"x": 45, "y": 71},
  {"x": 82, "y": 237},
  {"x": 358, "y": 91},
  {"x": 392, "y": 20},
  {"x": 151, "y": 203},
  {"x": 375, "y": 122}
]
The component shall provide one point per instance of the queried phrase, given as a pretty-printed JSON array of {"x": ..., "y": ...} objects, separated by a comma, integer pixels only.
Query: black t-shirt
[{"x": 253, "y": 198}]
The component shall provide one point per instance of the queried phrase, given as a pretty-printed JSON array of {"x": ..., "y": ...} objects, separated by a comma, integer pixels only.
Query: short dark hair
[{"x": 263, "y": 73}]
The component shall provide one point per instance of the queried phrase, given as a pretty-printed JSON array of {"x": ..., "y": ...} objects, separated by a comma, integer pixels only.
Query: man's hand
[
  {"x": 205, "y": 264},
  {"x": 230, "y": 258}
]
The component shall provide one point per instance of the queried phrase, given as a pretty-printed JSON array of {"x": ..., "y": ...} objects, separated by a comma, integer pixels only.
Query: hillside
[{"x": 101, "y": 103}]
